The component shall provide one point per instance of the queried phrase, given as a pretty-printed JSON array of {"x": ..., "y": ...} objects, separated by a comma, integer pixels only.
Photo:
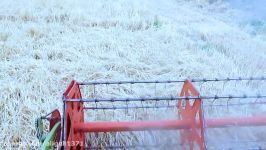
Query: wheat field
[{"x": 44, "y": 44}]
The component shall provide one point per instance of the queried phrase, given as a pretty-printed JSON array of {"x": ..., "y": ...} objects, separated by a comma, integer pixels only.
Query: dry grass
[{"x": 46, "y": 44}]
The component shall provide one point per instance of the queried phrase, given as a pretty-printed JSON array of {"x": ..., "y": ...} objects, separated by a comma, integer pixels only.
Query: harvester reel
[{"x": 189, "y": 104}]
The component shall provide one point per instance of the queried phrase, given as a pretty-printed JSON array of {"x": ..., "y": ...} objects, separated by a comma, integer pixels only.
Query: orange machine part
[
  {"x": 55, "y": 117},
  {"x": 104, "y": 126},
  {"x": 73, "y": 114},
  {"x": 191, "y": 122},
  {"x": 130, "y": 126},
  {"x": 190, "y": 111}
]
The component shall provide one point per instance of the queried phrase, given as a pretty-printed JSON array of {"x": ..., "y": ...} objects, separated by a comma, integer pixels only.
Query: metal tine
[
  {"x": 156, "y": 102},
  {"x": 143, "y": 109},
  {"x": 213, "y": 83},
  {"x": 125, "y": 113},
  {"x": 104, "y": 112},
  {"x": 146, "y": 112},
  {"x": 244, "y": 97},
  {"x": 225, "y": 81},
  {"x": 249, "y": 81},
  {"x": 107, "y": 88},
  {"x": 96, "y": 106},
  {"x": 214, "y": 99},
  {"x": 201, "y": 85},
  {"x": 238, "y": 81},
  {"x": 164, "y": 86},
  {"x": 113, "y": 109},
  {"x": 155, "y": 92},
  {"x": 131, "y": 88},
  {"x": 227, "y": 103},
  {"x": 168, "y": 103},
  {"x": 94, "y": 91},
  {"x": 142, "y": 104},
  {"x": 258, "y": 98},
  {"x": 118, "y": 85},
  {"x": 126, "y": 110}
]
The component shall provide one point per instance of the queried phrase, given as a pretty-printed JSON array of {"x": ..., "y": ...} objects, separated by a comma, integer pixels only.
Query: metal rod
[
  {"x": 130, "y": 107},
  {"x": 133, "y": 146},
  {"x": 240, "y": 104},
  {"x": 130, "y": 126},
  {"x": 258, "y": 148},
  {"x": 172, "y": 98},
  {"x": 166, "y": 144},
  {"x": 173, "y": 81},
  {"x": 243, "y": 121},
  {"x": 166, "y": 124},
  {"x": 64, "y": 130},
  {"x": 169, "y": 106},
  {"x": 128, "y": 82},
  {"x": 45, "y": 116}
]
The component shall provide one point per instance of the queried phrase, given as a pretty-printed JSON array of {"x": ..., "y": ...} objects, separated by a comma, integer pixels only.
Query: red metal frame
[
  {"x": 102, "y": 126},
  {"x": 191, "y": 121},
  {"x": 55, "y": 117},
  {"x": 74, "y": 114},
  {"x": 190, "y": 111}
]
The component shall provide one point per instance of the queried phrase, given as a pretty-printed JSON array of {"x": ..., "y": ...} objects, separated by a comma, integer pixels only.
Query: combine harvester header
[{"x": 72, "y": 131}]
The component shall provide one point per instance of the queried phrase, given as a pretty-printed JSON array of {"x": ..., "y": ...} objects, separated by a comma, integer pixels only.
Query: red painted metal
[
  {"x": 73, "y": 114},
  {"x": 55, "y": 117},
  {"x": 166, "y": 124},
  {"x": 191, "y": 121},
  {"x": 130, "y": 126},
  {"x": 241, "y": 121},
  {"x": 190, "y": 111}
]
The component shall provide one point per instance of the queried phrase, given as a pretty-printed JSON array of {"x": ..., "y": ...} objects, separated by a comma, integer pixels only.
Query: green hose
[{"x": 47, "y": 144}]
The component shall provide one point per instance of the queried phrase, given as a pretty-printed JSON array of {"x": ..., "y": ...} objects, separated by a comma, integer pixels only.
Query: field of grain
[{"x": 44, "y": 44}]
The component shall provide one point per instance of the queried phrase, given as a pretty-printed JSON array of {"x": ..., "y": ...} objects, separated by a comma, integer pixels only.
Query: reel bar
[
  {"x": 166, "y": 124},
  {"x": 189, "y": 105},
  {"x": 135, "y": 146},
  {"x": 131, "y": 126},
  {"x": 246, "y": 149},
  {"x": 243, "y": 121},
  {"x": 169, "y": 106},
  {"x": 168, "y": 145},
  {"x": 129, "y": 107},
  {"x": 161, "y": 98},
  {"x": 172, "y": 81},
  {"x": 156, "y": 146}
]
